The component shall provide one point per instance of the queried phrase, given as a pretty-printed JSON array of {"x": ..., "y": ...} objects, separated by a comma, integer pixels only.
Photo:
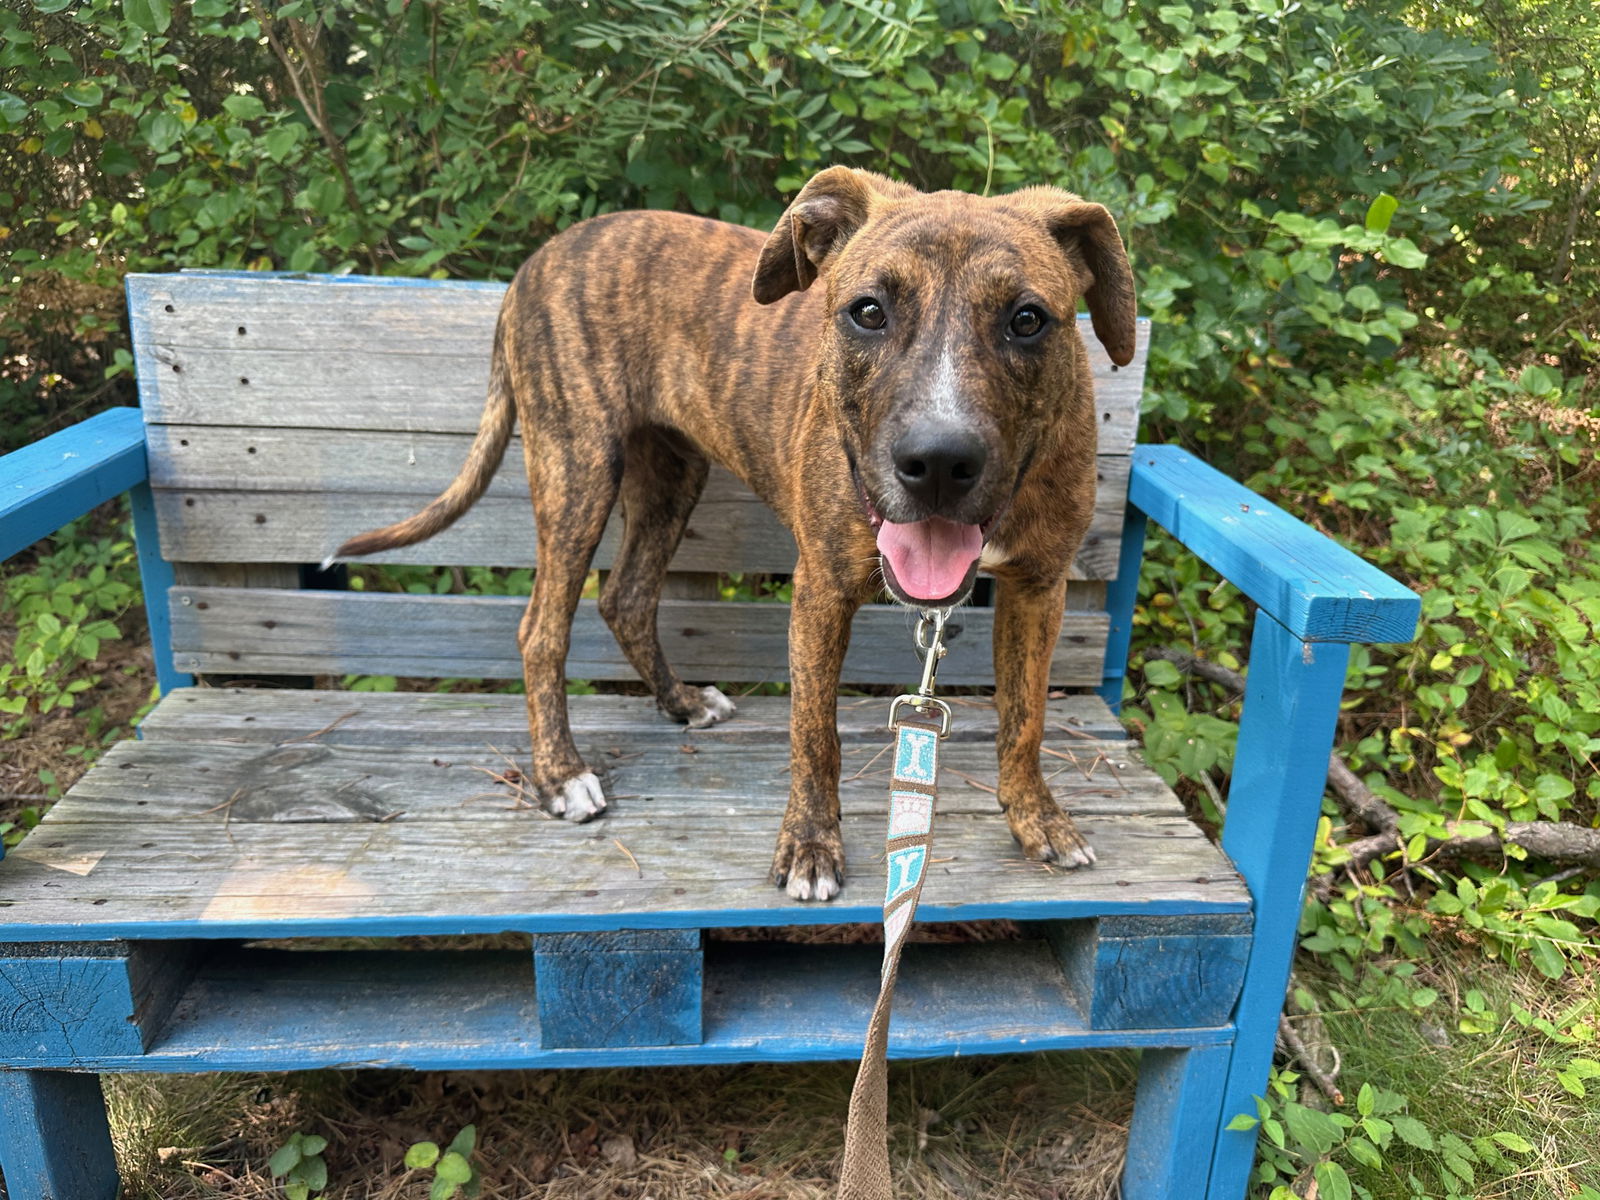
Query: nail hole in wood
[
  {"x": 244, "y": 381},
  {"x": 183, "y": 441},
  {"x": 168, "y": 307},
  {"x": 188, "y": 501},
  {"x": 261, "y": 518},
  {"x": 241, "y": 331},
  {"x": 176, "y": 369},
  {"x": 249, "y": 449}
]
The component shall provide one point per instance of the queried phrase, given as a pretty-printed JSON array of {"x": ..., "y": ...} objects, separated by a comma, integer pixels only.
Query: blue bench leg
[
  {"x": 1291, "y": 707},
  {"x": 1175, "y": 1114},
  {"x": 54, "y": 1140}
]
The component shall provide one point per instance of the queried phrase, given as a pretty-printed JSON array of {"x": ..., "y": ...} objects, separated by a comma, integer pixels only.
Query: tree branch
[{"x": 1558, "y": 842}]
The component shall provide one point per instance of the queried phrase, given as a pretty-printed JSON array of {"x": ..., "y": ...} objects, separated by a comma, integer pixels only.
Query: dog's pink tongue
[{"x": 930, "y": 558}]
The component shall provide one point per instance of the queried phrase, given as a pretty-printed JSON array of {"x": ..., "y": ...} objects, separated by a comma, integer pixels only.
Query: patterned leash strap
[{"x": 919, "y": 722}]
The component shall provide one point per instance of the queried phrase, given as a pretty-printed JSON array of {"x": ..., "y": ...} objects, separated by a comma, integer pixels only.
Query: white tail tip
[{"x": 329, "y": 562}]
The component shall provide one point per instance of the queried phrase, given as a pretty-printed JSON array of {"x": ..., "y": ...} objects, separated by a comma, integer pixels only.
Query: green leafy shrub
[
  {"x": 64, "y": 610},
  {"x": 300, "y": 1163}
]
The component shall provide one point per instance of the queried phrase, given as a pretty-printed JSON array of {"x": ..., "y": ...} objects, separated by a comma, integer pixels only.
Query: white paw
[
  {"x": 579, "y": 799},
  {"x": 801, "y": 888},
  {"x": 716, "y": 707}
]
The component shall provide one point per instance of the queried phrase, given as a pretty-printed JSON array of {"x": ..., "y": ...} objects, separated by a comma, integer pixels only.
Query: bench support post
[
  {"x": 1174, "y": 1114},
  {"x": 630, "y": 987},
  {"x": 57, "y": 1144},
  {"x": 156, "y": 578},
  {"x": 1122, "y": 593},
  {"x": 1291, "y": 705}
]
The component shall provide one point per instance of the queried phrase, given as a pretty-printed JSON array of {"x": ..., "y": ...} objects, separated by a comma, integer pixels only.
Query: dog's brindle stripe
[{"x": 631, "y": 353}]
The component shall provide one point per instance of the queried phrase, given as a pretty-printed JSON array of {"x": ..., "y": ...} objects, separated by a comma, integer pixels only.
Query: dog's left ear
[
  {"x": 1087, "y": 231},
  {"x": 830, "y": 208}
]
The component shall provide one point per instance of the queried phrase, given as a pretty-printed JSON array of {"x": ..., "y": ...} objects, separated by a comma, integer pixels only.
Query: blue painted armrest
[
  {"x": 1306, "y": 581},
  {"x": 53, "y": 481}
]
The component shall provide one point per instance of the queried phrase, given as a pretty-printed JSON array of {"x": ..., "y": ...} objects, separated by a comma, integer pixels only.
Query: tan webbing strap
[{"x": 913, "y": 791}]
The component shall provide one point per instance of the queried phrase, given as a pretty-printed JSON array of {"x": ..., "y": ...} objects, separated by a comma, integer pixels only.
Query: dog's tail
[{"x": 488, "y": 448}]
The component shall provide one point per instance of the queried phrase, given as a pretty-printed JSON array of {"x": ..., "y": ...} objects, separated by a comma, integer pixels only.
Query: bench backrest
[{"x": 285, "y": 413}]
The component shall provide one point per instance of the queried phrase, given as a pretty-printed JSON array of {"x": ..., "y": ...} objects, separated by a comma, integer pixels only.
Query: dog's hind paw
[
  {"x": 713, "y": 707},
  {"x": 579, "y": 799}
]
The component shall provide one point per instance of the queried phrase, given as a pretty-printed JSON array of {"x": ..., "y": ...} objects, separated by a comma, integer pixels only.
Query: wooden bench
[{"x": 281, "y": 414}]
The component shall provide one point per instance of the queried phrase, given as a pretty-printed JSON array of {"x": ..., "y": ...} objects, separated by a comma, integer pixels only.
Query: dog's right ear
[{"x": 830, "y": 208}]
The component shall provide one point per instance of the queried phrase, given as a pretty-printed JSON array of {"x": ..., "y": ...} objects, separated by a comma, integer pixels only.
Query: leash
[{"x": 920, "y": 721}]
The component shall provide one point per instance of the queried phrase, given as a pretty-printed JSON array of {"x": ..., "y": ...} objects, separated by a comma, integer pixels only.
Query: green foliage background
[{"x": 1367, "y": 235}]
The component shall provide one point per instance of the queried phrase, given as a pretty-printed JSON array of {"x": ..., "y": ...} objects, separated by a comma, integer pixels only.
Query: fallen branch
[{"x": 1559, "y": 842}]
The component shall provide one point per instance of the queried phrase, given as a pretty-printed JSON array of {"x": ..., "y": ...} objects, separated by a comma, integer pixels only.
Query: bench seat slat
[
  {"x": 194, "y": 878},
  {"x": 269, "y": 631},
  {"x": 298, "y": 837},
  {"x": 448, "y": 722},
  {"x": 312, "y": 783}
]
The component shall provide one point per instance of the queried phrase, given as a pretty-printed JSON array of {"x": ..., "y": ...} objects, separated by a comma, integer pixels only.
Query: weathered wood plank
[
  {"x": 1177, "y": 1111},
  {"x": 56, "y": 1143},
  {"x": 370, "y": 354},
  {"x": 476, "y": 1010},
  {"x": 1306, "y": 581},
  {"x": 293, "y": 495},
  {"x": 275, "y": 632},
  {"x": 60, "y": 1000},
  {"x": 214, "y": 877},
  {"x": 63, "y": 476},
  {"x": 624, "y": 988},
  {"x": 655, "y": 778},
  {"x": 1134, "y": 972},
  {"x": 434, "y": 721}
]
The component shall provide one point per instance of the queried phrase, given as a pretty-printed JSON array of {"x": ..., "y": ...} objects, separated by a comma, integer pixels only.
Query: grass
[
  {"x": 1048, "y": 1126},
  {"x": 1476, "y": 1084}
]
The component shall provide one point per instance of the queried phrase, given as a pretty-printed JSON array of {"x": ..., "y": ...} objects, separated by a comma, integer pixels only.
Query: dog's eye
[
  {"x": 868, "y": 314},
  {"x": 1026, "y": 322}
]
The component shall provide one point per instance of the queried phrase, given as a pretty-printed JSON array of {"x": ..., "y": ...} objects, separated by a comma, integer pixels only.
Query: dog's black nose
[{"x": 938, "y": 463}]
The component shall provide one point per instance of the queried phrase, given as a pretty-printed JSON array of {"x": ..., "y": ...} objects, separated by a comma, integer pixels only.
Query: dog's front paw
[
  {"x": 579, "y": 799},
  {"x": 712, "y": 707},
  {"x": 810, "y": 868},
  {"x": 1047, "y": 834}
]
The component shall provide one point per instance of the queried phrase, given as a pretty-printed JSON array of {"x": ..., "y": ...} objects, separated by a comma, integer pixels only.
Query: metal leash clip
[{"x": 930, "y": 640}]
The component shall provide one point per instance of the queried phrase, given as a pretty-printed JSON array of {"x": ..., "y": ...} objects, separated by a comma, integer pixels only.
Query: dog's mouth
[{"x": 931, "y": 562}]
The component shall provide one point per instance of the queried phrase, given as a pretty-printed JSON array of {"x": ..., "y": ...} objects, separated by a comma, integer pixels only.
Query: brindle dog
[{"x": 927, "y": 409}]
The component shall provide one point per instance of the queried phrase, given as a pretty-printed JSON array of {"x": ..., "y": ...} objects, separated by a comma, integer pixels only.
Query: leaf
[
  {"x": 1547, "y": 959},
  {"x": 464, "y": 1142},
  {"x": 1332, "y": 1182},
  {"x": 85, "y": 93},
  {"x": 152, "y": 16},
  {"x": 1412, "y": 1131},
  {"x": 442, "y": 1189},
  {"x": 244, "y": 108},
  {"x": 1241, "y": 1122},
  {"x": 1514, "y": 1142},
  {"x": 422, "y": 1156},
  {"x": 313, "y": 1172},
  {"x": 1403, "y": 252},
  {"x": 1381, "y": 211},
  {"x": 454, "y": 1168},
  {"x": 313, "y": 1145},
  {"x": 1158, "y": 672},
  {"x": 285, "y": 1160}
]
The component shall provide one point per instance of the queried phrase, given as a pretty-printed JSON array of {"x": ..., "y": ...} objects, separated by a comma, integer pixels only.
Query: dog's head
[{"x": 951, "y": 348}]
